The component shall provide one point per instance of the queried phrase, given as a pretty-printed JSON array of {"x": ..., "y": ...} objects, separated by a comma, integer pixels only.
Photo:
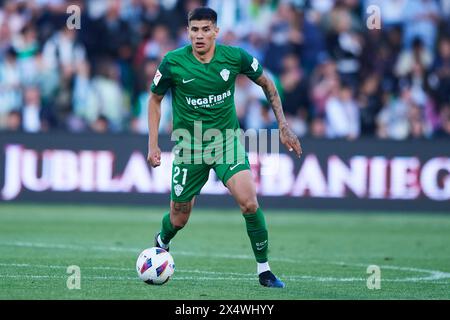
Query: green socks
[
  {"x": 257, "y": 232},
  {"x": 167, "y": 229}
]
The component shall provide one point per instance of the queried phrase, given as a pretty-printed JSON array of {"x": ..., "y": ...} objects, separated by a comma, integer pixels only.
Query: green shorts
[{"x": 189, "y": 179}]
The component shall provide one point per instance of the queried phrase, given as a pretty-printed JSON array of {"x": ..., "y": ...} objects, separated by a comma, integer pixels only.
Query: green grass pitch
[{"x": 320, "y": 255}]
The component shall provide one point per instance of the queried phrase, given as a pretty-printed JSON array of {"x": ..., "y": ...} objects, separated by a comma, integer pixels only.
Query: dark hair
[{"x": 203, "y": 13}]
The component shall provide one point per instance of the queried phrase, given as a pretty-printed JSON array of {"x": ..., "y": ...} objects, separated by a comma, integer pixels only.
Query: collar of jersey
[{"x": 197, "y": 61}]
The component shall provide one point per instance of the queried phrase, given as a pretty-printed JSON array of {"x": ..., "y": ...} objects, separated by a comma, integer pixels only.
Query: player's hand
[
  {"x": 290, "y": 140},
  {"x": 154, "y": 156}
]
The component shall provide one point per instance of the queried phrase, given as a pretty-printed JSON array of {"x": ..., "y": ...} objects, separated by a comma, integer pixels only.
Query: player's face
[{"x": 202, "y": 34}]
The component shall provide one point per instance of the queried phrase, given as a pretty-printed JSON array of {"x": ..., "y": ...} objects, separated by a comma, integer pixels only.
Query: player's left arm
[{"x": 287, "y": 137}]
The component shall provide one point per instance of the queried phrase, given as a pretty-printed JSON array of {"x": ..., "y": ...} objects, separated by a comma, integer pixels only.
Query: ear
[{"x": 216, "y": 31}]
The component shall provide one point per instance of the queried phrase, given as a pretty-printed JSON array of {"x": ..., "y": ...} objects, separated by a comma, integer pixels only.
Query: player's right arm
[
  {"x": 161, "y": 83},
  {"x": 154, "y": 116}
]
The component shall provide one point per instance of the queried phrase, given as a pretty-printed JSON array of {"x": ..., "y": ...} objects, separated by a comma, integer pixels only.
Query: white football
[{"x": 155, "y": 266}]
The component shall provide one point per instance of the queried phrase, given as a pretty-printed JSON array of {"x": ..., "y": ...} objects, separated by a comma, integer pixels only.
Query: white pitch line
[
  {"x": 287, "y": 277},
  {"x": 433, "y": 275},
  {"x": 242, "y": 276},
  {"x": 112, "y": 278},
  {"x": 181, "y": 278},
  {"x": 26, "y": 265},
  {"x": 66, "y": 246},
  {"x": 134, "y": 250},
  {"x": 250, "y": 276}
]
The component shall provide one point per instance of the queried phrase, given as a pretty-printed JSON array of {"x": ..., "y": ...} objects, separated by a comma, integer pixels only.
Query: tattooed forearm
[
  {"x": 272, "y": 97},
  {"x": 287, "y": 136}
]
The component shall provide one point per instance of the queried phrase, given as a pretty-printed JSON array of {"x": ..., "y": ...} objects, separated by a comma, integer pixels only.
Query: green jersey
[{"x": 204, "y": 91}]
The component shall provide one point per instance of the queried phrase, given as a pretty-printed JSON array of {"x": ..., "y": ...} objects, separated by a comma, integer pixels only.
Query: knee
[{"x": 249, "y": 206}]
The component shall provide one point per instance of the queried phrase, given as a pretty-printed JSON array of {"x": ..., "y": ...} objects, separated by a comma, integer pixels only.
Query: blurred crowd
[{"x": 339, "y": 75}]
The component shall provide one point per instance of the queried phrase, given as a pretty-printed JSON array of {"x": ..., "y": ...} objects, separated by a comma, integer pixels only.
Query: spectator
[
  {"x": 254, "y": 44},
  {"x": 322, "y": 7},
  {"x": 232, "y": 15},
  {"x": 242, "y": 98},
  {"x": 10, "y": 15},
  {"x": 229, "y": 38},
  {"x": 409, "y": 57},
  {"x": 342, "y": 114},
  {"x": 261, "y": 14},
  {"x": 82, "y": 92},
  {"x": 27, "y": 48},
  {"x": 444, "y": 129},
  {"x": 418, "y": 126},
  {"x": 258, "y": 114},
  {"x": 421, "y": 19},
  {"x": 324, "y": 82},
  {"x": 115, "y": 41},
  {"x": 5, "y": 38},
  {"x": 318, "y": 128},
  {"x": 313, "y": 44},
  {"x": 153, "y": 14},
  {"x": 100, "y": 125},
  {"x": 46, "y": 78},
  {"x": 106, "y": 98},
  {"x": 392, "y": 121},
  {"x": 369, "y": 103},
  {"x": 380, "y": 56},
  {"x": 445, "y": 8},
  {"x": 345, "y": 45},
  {"x": 441, "y": 73},
  {"x": 286, "y": 37},
  {"x": 32, "y": 110},
  {"x": 393, "y": 11},
  {"x": 10, "y": 85},
  {"x": 63, "y": 52},
  {"x": 26, "y": 43},
  {"x": 139, "y": 122},
  {"x": 159, "y": 43},
  {"x": 13, "y": 121},
  {"x": 295, "y": 93},
  {"x": 87, "y": 79}
]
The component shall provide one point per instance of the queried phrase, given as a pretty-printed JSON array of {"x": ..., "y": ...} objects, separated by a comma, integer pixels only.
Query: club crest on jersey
[
  {"x": 157, "y": 77},
  {"x": 225, "y": 73},
  {"x": 255, "y": 64},
  {"x": 178, "y": 189}
]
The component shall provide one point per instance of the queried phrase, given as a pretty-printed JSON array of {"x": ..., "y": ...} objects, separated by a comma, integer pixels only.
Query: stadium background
[
  {"x": 372, "y": 108},
  {"x": 339, "y": 80}
]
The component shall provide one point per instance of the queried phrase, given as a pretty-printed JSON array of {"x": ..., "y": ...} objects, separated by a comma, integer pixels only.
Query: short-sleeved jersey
[{"x": 204, "y": 91}]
